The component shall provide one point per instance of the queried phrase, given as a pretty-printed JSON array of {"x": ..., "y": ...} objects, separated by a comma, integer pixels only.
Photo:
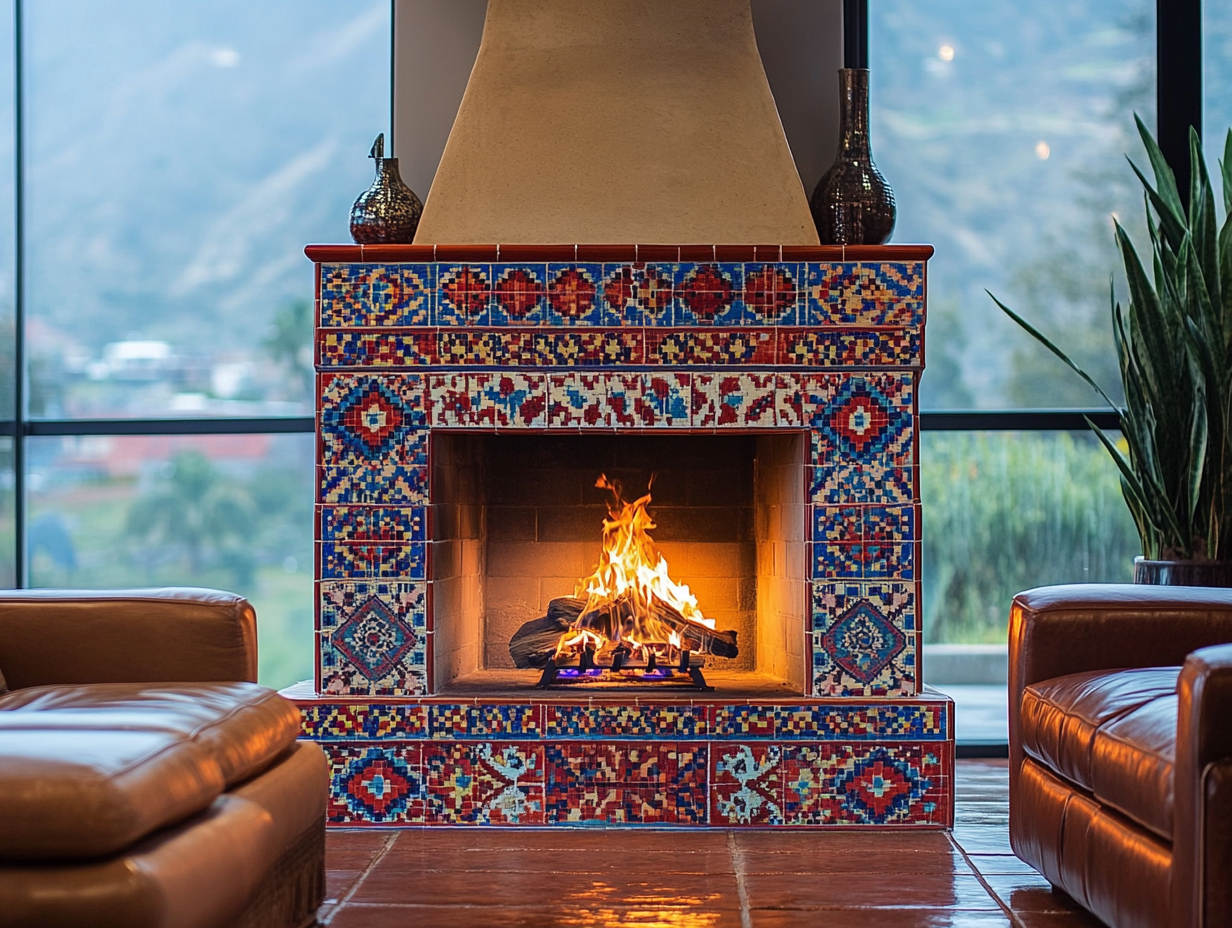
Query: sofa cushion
[
  {"x": 78, "y": 792},
  {"x": 243, "y": 726},
  {"x": 1110, "y": 733}
]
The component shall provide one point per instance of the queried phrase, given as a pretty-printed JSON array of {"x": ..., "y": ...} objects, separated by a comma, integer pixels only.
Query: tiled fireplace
[{"x": 469, "y": 398}]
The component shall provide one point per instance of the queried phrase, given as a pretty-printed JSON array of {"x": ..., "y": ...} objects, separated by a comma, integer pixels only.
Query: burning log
[{"x": 537, "y": 640}]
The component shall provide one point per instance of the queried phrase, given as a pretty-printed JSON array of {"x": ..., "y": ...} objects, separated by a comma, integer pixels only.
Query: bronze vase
[
  {"x": 388, "y": 212},
  {"x": 852, "y": 204}
]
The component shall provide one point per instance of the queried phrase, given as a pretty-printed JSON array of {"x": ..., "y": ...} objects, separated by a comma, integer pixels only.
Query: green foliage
[
  {"x": 1008, "y": 511},
  {"x": 1173, "y": 347},
  {"x": 196, "y": 514},
  {"x": 289, "y": 343}
]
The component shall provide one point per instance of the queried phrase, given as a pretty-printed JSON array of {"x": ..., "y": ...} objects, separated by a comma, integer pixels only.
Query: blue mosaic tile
[
  {"x": 864, "y": 641},
  {"x": 363, "y": 721},
  {"x": 575, "y": 296},
  {"x": 372, "y": 418},
  {"x": 869, "y": 482},
  {"x": 643, "y": 721},
  {"x": 464, "y": 294},
  {"x": 373, "y": 561},
  {"x": 381, "y": 524},
  {"x": 708, "y": 294},
  {"x": 394, "y": 484},
  {"x": 519, "y": 294},
  {"x": 771, "y": 294},
  {"x": 503, "y": 721}
]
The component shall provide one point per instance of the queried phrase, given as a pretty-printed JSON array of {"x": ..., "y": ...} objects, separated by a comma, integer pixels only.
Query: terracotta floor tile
[
  {"x": 357, "y": 839},
  {"x": 567, "y": 839},
  {"x": 1029, "y": 893},
  {"x": 873, "y": 890},
  {"x": 1057, "y": 920},
  {"x": 983, "y": 839},
  {"x": 554, "y": 860},
  {"x": 337, "y": 882},
  {"x": 1000, "y": 863},
  {"x": 880, "y": 918},
  {"x": 843, "y": 841},
  {"x": 861, "y": 860},
  {"x": 532, "y": 917},
  {"x": 389, "y": 885}
]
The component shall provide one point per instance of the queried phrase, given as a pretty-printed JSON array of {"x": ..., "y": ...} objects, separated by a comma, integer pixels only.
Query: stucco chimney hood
[{"x": 617, "y": 121}]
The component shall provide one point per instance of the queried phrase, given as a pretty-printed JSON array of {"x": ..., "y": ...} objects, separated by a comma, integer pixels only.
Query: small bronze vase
[
  {"x": 852, "y": 204},
  {"x": 388, "y": 212}
]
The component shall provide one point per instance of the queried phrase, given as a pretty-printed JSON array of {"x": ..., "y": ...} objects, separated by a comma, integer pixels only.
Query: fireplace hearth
[{"x": 483, "y": 646}]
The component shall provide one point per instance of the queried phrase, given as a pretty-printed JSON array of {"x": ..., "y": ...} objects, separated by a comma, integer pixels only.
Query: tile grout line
[
  {"x": 359, "y": 880},
  {"x": 737, "y": 859},
  {"x": 983, "y": 882}
]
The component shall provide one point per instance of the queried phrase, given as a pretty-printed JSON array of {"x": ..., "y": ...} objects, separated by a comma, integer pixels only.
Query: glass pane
[
  {"x": 8, "y": 252},
  {"x": 225, "y": 511},
  {"x": 1007, "y": 511},
  {"x": 1002, "y": 127},
  {"x": 180, "y": 155},
  {"x": 1216, "y": 77}
]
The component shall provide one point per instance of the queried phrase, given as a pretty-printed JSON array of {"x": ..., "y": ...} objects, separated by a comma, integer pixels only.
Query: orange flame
[{"x": 630, "y": 576}]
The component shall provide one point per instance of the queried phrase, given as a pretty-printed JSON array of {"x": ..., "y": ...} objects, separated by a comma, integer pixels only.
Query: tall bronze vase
[
  {"x": 388, "y": 212},
  {"x": 852, "y": 204}
]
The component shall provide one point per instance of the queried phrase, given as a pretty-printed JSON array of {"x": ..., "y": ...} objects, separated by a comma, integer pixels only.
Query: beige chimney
[{"x": 617, "y": 121}]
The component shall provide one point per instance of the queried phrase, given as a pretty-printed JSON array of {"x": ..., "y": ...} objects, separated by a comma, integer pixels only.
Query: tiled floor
[{"x": 711, "y": 879}]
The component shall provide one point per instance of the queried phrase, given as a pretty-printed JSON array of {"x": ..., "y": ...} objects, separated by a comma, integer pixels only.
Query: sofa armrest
[
  {"x": 1203, "y": 765},
  {"x": 126, "y": 636}
]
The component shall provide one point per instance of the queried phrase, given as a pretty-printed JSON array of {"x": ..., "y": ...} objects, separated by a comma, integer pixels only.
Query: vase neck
[{"x": 853, "y": 112}]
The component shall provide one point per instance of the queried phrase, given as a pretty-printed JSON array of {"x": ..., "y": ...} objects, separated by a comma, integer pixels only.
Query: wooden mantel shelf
[{"x": 615, "y": 253}]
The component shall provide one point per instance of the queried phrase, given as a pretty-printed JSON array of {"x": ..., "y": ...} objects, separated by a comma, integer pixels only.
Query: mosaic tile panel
[
  {"x": 375, "y": 784},
  {"x": 373, "y": 419},
  {"x": 505, "y": 720},
  {"x": 574, "y": 296},
  {"x": 864, "y": 785},
  {"x": 860, "y": 417},
  {"x": 363, "y": 721},
  {"x": 377, "y": 295},
  {"x": 373, "y": 562},
  {"x": 848, "y": 347},
  {"x": 393, "y": 484},
  {"x": 742, "y": 400},
  {"x": 388, "y": 524},
  {"x": 708, "y": 294},
  {"x": 747, "y": 784},
  {"x": 887, "y": 721},
  {"x": 653, "y": 783},
  {"x": 375, "y": 348},
  {"x": 870, "y": 482},
  {"x": 715, "y": 348},
  {"x": 666, "y": 401},
  {"x": 638, "y": 294},
  {"x": 598, "y": 721},
  {"x": 869, "y": 542},
  {"x": 518, "y": 295},
  {"x": 373, "y": 638},
  {"x": 884, "y": 294},
  {"x": 772, "y": 294},
  {"x": 485, "y": 783},
  {"x": 864, "y": 639},
  {"x": 464, "y": 294},
  {"x": 578, "y": 400}
]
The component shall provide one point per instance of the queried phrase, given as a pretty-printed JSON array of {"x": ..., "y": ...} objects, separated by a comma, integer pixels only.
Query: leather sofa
[
  {"x": 1120, "y": 700},
  {"x": 145, "y": 780}
]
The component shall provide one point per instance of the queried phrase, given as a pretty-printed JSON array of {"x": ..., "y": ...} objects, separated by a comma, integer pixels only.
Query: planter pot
[{"x": 1183, "y": 573}]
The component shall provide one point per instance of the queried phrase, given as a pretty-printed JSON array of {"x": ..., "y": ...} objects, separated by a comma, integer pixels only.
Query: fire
[{"x": 626, "y": 595}]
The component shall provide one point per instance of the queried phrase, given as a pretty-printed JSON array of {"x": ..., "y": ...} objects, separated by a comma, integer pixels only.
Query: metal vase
[
  {"x": 388, "y": 212},
  {"x": 852, "y": 204}
]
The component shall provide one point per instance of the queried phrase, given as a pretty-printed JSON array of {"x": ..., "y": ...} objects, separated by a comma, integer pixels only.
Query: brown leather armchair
[
  {"x": 1121, "y": 749},
  {"x": 145, "y": 780}
]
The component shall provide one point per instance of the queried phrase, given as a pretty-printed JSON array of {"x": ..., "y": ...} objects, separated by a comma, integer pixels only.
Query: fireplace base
[{"x": 654, "y": 760}]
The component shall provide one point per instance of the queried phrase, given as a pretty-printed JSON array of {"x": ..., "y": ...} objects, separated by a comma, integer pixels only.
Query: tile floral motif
[
  {"x": 864, "y": 641},
  {"x": 517, "y": 294},
  {"x": 624, "y": 393},
  {"x": 488, "y": 399},
  {"x": 747, "y": 785},
  {"x": 717, "y": 347},
  {"x": 708, "y": 294},
  {"x": 363, "y": 721},
  {"x": 373, "y": 638},
  {"x": 375, "y": 784},
  {"x": 771, "y": 294},
  {"x": 578, "y": 400},
  {"x": 345, "y": 294},
  {"x": 638, "y": 294},
  {"x": 464, "y": 293},
  {"x": 626, "y": 783},
  {"x": 574, "y": 298},
  {"x": 864, "y": 785},
  {"x": 740, "y": 400},
  {"x": 372, "y": 418},
  {"x": 871, "y": 542},
  {"x": 485, "y": 783},
  {"x": 665, "y": 401}
]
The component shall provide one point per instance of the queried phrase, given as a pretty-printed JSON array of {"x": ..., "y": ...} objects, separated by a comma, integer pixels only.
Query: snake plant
[{"x": 1174, "y": 345}]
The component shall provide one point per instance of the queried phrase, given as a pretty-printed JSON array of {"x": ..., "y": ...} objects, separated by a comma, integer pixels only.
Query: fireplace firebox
[{"x": 622, "y": 535}]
